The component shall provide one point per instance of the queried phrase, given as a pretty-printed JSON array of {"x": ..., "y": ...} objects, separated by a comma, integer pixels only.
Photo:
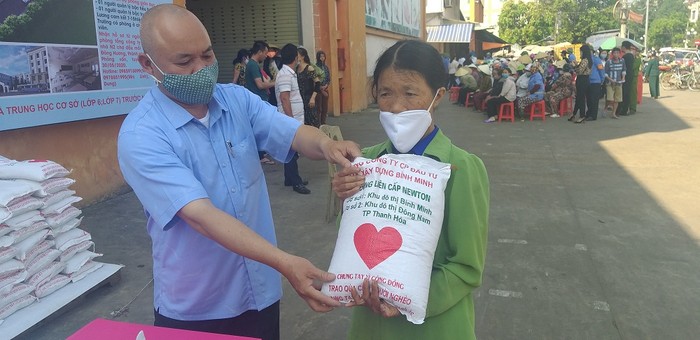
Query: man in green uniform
[
  {"x": 652, "y": 75},
  {"x": 632, "y": 76}
]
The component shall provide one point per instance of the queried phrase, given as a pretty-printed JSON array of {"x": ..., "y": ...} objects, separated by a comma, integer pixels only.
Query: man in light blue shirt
[{"x": 189, "y": 151}]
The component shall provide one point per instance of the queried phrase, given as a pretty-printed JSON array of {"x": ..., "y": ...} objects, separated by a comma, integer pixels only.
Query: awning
[
  {"x": 455, "y": 33},
  {"x": 488, "y": 37},
  {"x": 489, "y": 41}
]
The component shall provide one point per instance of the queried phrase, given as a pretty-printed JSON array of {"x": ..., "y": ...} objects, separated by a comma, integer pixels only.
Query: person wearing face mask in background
[
  {"x": 408, "y": 84},
  {"x": 507, "y": 94},
  {"x": 189, "y": 151},
  {"x": 535, "y": 90},
  {"x": 239, "y": 67}
]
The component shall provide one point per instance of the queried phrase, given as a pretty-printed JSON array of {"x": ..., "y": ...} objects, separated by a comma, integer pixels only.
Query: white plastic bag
[
  {"x": 25, "y": 247},
  {"x": 78, "y": 260},
  {"x": 71, "y": 238},
  {"x": 55, "y": 220},
  {"x": 56, "y": 197},
  {"x": 69, "y": 225},
  {"x": 87, "y": 268},
  {"x": 17, "y": 291},
  {"x": 51, "y": 286},
  {"x": 59, "y": 206},
  {"x": 35, "y": 170},
  {"x": 72, "y": 250},
  {"x": 7, "y": 253},
  {"x": 389, "y": 231},
  {"x": 45, "y": 274},
  {"x": 16, "y": 305}
]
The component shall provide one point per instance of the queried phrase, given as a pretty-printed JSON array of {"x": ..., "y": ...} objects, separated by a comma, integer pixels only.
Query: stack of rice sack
[{"x": 41, "y": 247}]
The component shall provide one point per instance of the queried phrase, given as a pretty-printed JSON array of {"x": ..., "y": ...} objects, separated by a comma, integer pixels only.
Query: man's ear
[{"x": 146, "y": 64}]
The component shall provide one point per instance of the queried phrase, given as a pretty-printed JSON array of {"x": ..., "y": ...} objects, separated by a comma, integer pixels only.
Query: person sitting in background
[
  {"x": 561, "y": 89},
  {"x": 521, "y": 83},
  {"x": 483, "y": 88},
  {"x": 468, "y": 84},
  {"x": 409, "y": 78},
  {"x": 507, "y": 94},
  {"x": 495, "y": 89},
  {"x": 535, "y": 90}
]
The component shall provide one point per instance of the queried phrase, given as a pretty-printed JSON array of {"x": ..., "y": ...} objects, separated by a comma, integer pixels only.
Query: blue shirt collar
[
  {"x": 422, "y": 144},
  {"x": 178, "y": 116}
]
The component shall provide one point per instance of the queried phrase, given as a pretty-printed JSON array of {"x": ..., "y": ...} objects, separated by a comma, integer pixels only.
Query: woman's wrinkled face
[{"x": 402, "y": 90}]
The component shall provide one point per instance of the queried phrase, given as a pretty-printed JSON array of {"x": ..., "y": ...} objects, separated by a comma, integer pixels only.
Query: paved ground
[{"x": 594, "y": 229}]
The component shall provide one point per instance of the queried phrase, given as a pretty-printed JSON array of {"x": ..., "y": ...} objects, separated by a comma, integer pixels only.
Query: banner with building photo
[
  {"x": 68, "y": 60},
  {"x": 398, "y": 16}
]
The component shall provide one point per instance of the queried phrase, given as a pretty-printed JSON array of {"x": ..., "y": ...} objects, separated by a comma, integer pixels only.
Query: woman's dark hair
[
  {"x": 415, "y": 56},
  {"x": 318, "y": 57},
  {"x": 586, "y": 54},
  {"x": 288, "y": 53},
  {"x": 242, "y": 54},
  {"x": 304, "y": 54}
]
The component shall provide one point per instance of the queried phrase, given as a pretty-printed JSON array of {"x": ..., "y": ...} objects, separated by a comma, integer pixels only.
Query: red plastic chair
[
  {"x": 454, "y": 93},
  {"x": 469, "y": 101},
  {"x": 537, "y": 106},
  {"x": 566, "y": 106},
  {"x": 506, "y": 114}
]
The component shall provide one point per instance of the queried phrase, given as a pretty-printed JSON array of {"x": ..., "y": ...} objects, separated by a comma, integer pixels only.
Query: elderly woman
[
  {"x": 484, "y": 86},
  {"x": 409, "y": 79},
  {"x": 562, "y": 88},
  {"x": 535, "y": 89}
]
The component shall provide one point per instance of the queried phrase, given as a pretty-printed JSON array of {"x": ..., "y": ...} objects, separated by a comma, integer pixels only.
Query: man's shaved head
[{"x": 159, "y": 20}]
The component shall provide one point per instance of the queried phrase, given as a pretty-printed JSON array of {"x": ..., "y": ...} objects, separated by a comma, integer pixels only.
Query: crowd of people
[
  {"x": 257, "y": 69},
  {"x": 552, "y": 78}
]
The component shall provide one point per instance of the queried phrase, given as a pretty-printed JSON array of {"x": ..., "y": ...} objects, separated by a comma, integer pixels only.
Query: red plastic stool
[
  {"x": 537, "y": 106},
  {"x": 454, "y": 93},
  {"x": 566, "y": 105},
  {"x": 470, "y": 100},
  {"x": 506, "y": 114}
]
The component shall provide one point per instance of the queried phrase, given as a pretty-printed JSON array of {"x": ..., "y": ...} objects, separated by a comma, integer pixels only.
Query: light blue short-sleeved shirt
[{"x": 169, "y": 158}]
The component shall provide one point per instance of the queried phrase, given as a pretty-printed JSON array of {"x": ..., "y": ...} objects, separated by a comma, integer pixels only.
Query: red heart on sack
[{"x": 376, "y": 246}]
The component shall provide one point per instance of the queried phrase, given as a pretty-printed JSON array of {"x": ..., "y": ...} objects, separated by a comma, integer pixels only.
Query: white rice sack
[
  {"x": 23, "y": 204},
  {"x": 61, "y": 205},
  {"x": 38, "y": 249},
  {"x": 71, "y": 224},
  {"x": 54, "y": 185},
  {"x": 55, "y": 220},
  {"x": 5, "y": 289},
  {"x": 26, "y": 246},
  {"x": 45, "y": 274},
  {"x": 35, "y": 170},
  {"x": 17, "y": 291},
  {"x": 39, "y": 190},
  {"x": 71, "y": 251},
  {"x": 40, "y": 262},
  {"x": 21, "y": 234},
  {"x": 7, "y": 253},
  {"x": 78, "y": 260},
  {"x": 24, "y": 220},
  {"x": 56, "y": 197},
  {"x": 11, "y": 190},
  {"x": 86, "y": 269},
  {"x": 5, "y": 229},
  {"x": 71, "y": 238},
  {"x": 16, "y": 305},
  {"x": 10, "y": 267},
  {"x": 51, "y": 286},
  {"x": 10, "y": 279},
  {"x": 389, "y": 231}
]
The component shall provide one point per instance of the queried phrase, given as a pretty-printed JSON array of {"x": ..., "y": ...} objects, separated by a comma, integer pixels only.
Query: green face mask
[{"x": 191, "y": 89}]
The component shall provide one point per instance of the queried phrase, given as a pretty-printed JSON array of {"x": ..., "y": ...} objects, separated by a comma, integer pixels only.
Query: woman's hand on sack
[
  {"x": 348, "y": 181},
  {"x": 370, "y": 298}
]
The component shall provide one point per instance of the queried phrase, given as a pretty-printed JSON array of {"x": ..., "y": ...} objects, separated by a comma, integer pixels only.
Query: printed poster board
[
  {"x": 398, "y": 16},
  {"x": 69, "y": 60}
]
